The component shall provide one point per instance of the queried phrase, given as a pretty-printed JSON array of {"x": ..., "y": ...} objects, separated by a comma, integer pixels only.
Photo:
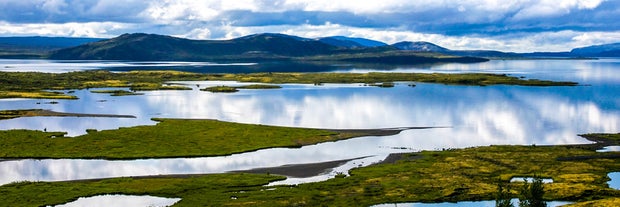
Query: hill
[
  {"x": 430, "y": 47},
  {"x": 606, "y": 50},
  {"x": 350, "y": 42},
  {"x": 258, "y": 47},
  {"x": 420, "y": 47},
  {"x": 159, "y": 47}
]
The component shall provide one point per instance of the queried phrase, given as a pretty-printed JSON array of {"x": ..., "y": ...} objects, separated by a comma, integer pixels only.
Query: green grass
[
  {"x": 206, "y": 190},
  {"x": 259, "y": 86},
  {"x": 35, "y": 95},
  {"x": 33, "y": 84},
  {"x": 169, "y": 138},
  {"x": 456, "y": 79},
  {"x": 231, "y": 89},
  {"x": 220, "y": 89},
  {"x": 429, "y": 176}
]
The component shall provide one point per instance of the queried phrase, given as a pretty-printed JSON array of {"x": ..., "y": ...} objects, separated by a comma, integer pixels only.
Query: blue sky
[{"x": 508, "y": 25}]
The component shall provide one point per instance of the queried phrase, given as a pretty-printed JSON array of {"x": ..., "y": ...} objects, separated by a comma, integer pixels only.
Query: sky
[{"x": 506, "y": 25}]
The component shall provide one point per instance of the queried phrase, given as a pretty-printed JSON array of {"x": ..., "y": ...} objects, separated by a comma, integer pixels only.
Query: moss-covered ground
[
  {"x": 428, "y": 176},
  {"x": 220, "y": 89},
  {"x": 168, "y": 138},
  {"x": 231, "y": 89}
]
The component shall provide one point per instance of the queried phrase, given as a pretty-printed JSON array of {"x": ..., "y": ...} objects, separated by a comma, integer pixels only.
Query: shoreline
[
  {"x": 13, "y": 114},
  {"x": 304, "y": 170}
]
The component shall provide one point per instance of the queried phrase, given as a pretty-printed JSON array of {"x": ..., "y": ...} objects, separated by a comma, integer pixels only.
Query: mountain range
[
  {"x": 266, "y": 46},
  {"x": 257, "y": 47}
]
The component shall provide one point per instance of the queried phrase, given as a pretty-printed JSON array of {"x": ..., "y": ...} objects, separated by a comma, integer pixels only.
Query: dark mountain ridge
[
  {"x": 266, "y": 46},
  {"x": 257, "y": 47},
  {"x": 160, "y": 47}
]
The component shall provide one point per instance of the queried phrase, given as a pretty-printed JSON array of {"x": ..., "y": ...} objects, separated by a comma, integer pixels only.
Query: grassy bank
[
  {"x": 169, "y": 138},
  {"x": 429, "y": 176},
  {"x": 12, "y": 114},
  {"x": 33, "y": 84},
  {"x": 117, "y": 92}
]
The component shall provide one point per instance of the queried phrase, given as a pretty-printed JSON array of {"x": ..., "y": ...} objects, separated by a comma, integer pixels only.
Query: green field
[{"x": 169, "y": 138}]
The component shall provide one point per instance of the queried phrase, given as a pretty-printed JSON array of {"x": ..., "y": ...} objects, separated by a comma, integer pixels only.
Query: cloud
[
  {"x": 89, "y": 29},
  {"x": 481, "y": 24}
]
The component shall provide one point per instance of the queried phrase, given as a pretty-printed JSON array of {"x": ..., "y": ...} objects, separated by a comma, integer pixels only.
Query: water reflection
[
  {"x": 582, "y": 71},
  {"x": 474, "y": 116},
  {"x": 615, "y": 180},
  {"x": 609, "y": 149},
  {"x": 63, "y": 66},
  {"x": 121, "y": 201},
  {"x": 530, "y": 179},
  {"x": 75, "y": 169}
]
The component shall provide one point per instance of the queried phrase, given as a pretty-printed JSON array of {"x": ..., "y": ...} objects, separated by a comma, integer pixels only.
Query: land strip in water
[
  {"x": 38, "y": 85},
  {"x": 428, "y": 176},
  {"x": 170, "y": 138},
  {"x": 11, "y": 114}
]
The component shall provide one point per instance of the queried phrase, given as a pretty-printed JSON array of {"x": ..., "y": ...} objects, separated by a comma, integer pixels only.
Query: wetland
[{"x": 458, "y": 136}]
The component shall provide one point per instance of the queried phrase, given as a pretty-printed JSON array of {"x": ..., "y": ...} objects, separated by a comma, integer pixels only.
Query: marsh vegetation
[
  {"x": 432, "y": 176},
  {"x": 35, "y": 85}
]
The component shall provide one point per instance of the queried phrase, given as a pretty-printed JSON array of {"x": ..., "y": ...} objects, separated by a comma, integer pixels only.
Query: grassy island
[
  {"x": 220, "y": 89},
  {"x": 36, "y": 85},
  {"x": 199, "y": 138},
  {"x": 11, "y": 114},
  {"x": 117, "y": 92},
  {"x": 230, "y": 89}
]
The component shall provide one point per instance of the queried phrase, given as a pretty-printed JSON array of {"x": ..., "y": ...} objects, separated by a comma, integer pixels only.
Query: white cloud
[
  {"x": 547, "y": 8},
  {"x": 509, "y": 25},
  {"x": 543, "y": 41},
  {"x": 90, "y": 29}
]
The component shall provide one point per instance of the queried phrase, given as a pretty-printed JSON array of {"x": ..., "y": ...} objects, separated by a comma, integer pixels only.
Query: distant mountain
[
  {"x": 430, "y": 47},
  {"x": 351, "y": 42},
  {"x": 258, "y": 47},
  {"x": 420, "y": 47},
  {"x": 606, "y": 50},
  {"x": 159, "y": 47}
]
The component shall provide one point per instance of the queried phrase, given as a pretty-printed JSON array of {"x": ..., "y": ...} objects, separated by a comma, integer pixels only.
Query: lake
[{"x": 470, "y": 115}]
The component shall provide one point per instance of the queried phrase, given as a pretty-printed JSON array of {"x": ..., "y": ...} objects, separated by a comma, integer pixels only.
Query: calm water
[
  {"x": 473, "y": 115},
  {"x": 121, "y": 201},
  {"x": 615, "y": 180}
]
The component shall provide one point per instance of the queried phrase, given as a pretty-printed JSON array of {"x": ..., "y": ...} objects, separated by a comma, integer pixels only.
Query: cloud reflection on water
[{"x": 473, "y": 115}]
